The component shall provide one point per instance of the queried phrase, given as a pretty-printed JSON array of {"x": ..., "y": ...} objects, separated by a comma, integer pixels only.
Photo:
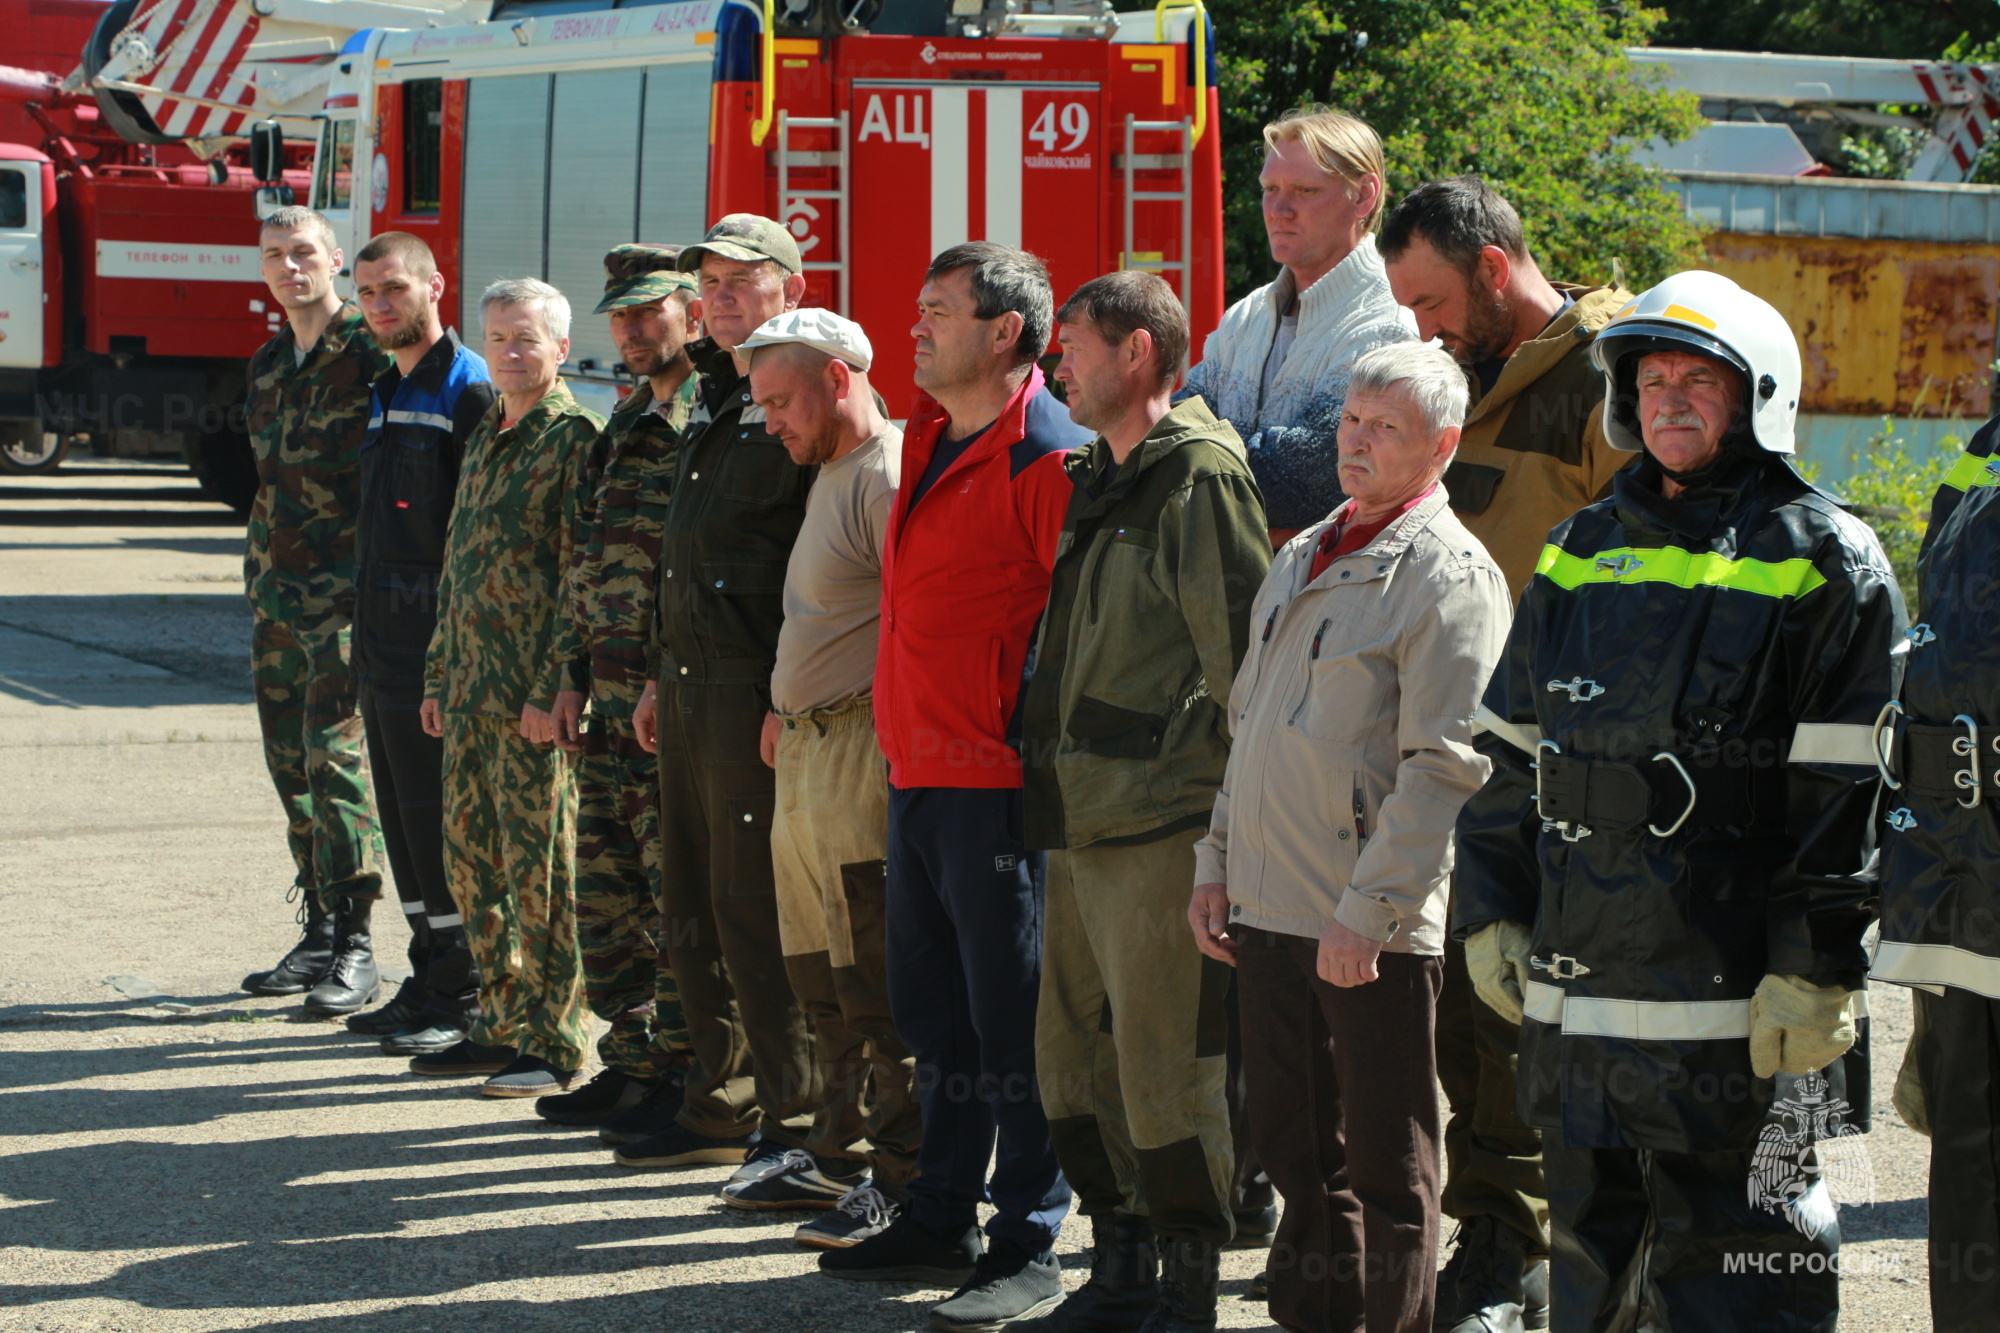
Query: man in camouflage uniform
[
  {"x": 601, "y": 657},
  {"x": 308, "y": 409},
  {"x": 509, "y": 793}
]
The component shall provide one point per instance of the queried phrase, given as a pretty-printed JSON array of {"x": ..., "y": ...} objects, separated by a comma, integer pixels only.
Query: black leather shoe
[
  {"x": 1124, "y": 1283},
  {"x": 652, "y": 1114},
  {"x": 1255, "y": 1230},
  {"x": 595, "y": 1102},
  {"x": 463, "y": 1058},
  {"x": 1490, "y": 1282},
  {"x": 351, "y": 983},
  {"x": 907, "y": 1252},
  {"x": 431, "y": 1033},
  {"x": 298, "y": 970},
  {"x": 395, "y": 1016}
]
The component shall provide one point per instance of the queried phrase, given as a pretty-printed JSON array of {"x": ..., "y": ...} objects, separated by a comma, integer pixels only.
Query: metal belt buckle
[
  {"x": 1967, "y": 778},
  {"x": 1883, "y": 761},
  {"x": 1664, "y": 757},
  {"x": 1570, "y": 832}
]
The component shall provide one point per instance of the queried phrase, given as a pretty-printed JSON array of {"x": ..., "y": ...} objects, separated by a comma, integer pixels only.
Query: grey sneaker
[
  {"x": 528, "y": 1076},
  {"x": 862, "y": 1212},
  {"x": 1007, "y": 1284},
  {"x": 792, "y": 1181},
  {"x": 762, "y": 1155}
]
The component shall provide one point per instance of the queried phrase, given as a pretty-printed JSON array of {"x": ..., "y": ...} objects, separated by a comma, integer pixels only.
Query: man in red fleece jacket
[{"x": 965, "y": 575}]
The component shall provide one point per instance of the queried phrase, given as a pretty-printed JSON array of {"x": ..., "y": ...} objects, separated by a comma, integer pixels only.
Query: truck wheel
[
  {"x": 222, "y": 462},
  {"x": 26, "y": 450}
]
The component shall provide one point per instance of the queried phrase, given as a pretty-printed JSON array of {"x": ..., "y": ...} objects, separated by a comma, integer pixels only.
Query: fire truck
[
  {"x": 528, "y": 137},
  {"x": 129, "y": 288},
  {"x": 879, "y": 131}
]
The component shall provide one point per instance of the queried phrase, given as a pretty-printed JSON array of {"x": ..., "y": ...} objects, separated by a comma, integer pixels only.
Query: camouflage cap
[
  {"x": 638, "y": 273},
  {"x": 746, "y": 237}
]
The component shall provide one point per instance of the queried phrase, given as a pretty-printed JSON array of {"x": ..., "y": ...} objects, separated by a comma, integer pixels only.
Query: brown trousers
[
  {"x": 1343, "y": 1114},
  {"x": 829, "y": 837}
]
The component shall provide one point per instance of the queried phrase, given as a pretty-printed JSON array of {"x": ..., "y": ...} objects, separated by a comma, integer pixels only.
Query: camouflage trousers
[
  {"x": 312, "y": 745},
  {"x": 626, "y": 980},
  {"x": 510, "y": 859}
]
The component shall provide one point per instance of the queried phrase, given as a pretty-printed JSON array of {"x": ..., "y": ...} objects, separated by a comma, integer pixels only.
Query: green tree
[
  {"x": 1536, "y": 95},
  {"x": 1891, "y": 491},
  {"x": 1897, "y": 29}
]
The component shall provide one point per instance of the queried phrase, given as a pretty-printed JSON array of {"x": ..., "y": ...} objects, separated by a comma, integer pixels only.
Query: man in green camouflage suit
[
  {"x": 509, "y": 792},
  {"x": 307, "y": 412},
  {"x": 601, "y": 657}
]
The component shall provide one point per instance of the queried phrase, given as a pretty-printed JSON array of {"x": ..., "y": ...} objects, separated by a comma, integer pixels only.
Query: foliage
[
  {"x": 1891, "y": 490},
  {"x": 1536, "y": 95},
  {"x": 1898, "y": 29},
  {"x": 1881, "y": 152}
]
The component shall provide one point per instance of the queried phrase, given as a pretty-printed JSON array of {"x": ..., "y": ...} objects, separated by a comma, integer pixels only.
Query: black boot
[
  {"x": 1490, "y": 1285},
  {"x": 311, "y": 956},
  {"x": 395, "y": 1016},
  {"x": 351, "y": 982},
  {"x": 1189, "y": 1273},
  {"x": 1124, "y": 1284}
]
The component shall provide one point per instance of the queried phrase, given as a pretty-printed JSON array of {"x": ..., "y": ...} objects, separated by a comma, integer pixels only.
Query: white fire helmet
[{"x": 1706, "y": 313}]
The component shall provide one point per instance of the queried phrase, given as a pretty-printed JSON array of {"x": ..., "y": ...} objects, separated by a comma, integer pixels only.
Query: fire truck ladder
[
  {"x": 1133, "y": 162},
  {"x": 790, "y": 158}
]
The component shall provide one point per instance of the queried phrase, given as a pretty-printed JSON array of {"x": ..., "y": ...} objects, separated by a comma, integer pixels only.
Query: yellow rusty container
[{"x": 1886, "y": 326}]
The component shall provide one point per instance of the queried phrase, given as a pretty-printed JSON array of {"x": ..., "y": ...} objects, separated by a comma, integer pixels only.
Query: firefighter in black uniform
[
  {"x": 1941, "y": 882},
  {"x": 1667, "y": 873}
]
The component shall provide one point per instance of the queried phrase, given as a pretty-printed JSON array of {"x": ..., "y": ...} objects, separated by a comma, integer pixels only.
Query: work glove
[
  {"x": 1908, "y": 1098},
  {"x": 1798, "y": 1027},
  {"x": 1497, "y": 957}
]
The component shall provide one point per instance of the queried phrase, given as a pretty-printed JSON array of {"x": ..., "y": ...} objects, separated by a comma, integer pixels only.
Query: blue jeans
[{"x": 965, "y": 955}]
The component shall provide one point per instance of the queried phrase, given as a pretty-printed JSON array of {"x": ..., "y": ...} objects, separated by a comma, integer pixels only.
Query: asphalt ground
[{"x": 178, "y": 1156}]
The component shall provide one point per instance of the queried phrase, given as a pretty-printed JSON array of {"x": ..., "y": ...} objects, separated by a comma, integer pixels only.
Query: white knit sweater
[{"x": 1290, "y": 434}]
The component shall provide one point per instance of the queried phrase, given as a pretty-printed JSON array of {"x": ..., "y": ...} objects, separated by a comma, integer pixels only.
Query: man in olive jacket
[{"x": 1124, "y": 746}]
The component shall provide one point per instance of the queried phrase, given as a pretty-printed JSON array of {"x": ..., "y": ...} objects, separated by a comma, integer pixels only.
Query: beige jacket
[{"x": 1352, "y": 715}]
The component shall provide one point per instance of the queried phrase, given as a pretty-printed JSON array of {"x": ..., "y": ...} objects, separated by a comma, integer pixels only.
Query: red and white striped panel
[{"x": 200, "y": 45}]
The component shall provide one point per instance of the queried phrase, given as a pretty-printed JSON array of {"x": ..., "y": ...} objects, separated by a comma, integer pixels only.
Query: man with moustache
[
  {"x": 510, "y": 794},
  {"x": 1126, "y": 739},
  {"x": 718, "y": 600},
  {"x": 601, "y": 659},
  {"x": 307, "y": 409},
  {"x": 1533, "y": 451},
  {"x": 809, "y": 372},
  {"x": 425, "y": 406}
]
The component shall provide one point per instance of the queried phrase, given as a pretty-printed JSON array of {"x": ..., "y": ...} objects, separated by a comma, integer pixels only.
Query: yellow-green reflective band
[
  {"x": 1683, "y": 569},
  {"x": 1973, "y": 470}
]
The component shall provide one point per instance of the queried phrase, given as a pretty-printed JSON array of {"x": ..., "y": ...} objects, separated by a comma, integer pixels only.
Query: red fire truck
[{"x": 528, "y": 141}]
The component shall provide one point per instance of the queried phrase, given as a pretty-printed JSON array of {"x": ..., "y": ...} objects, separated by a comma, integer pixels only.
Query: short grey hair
[
  {"x": 297, "y": 217},
  {"x": 1436, "y": 383},
  {"x": 545, "y": 300}
]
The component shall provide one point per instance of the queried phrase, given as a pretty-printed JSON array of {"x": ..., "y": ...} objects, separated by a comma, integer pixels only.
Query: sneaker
[
  {"x": 462, "y": 1058},
  {"x": 907, "y": 1251},
  {"x": 862, "y": 1212},
  {"x": 793, "y": 1181},
  {"x": 651, "y": 1114},
  {"x": 394, "y": 1016},
  {"x": 764, "y": 1155},
  {"x": 1007, "y": 1283},
  {"x": 426, "y": 1036},
  {"x": 595, "y": 1102},
  {"x": 527, "y": 1076},
  {"x": 679, "y": 1146}
]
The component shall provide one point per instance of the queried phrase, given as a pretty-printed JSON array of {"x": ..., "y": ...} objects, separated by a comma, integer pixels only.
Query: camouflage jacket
[
  {"x": 306, "y": 424},
  {"x": 601, "y": 646},
  {"x": 505, "y": 557}
]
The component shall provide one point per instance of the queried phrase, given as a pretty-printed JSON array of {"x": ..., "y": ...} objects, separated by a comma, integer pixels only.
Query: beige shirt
[{"x": 833, "y": 583}]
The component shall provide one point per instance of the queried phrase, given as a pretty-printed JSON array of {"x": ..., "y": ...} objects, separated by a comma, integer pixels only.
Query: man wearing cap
[
  {"x": 601, "y": 657},
  {"x": 737, "y": 502},
  {"x": 809, "y": 372}
]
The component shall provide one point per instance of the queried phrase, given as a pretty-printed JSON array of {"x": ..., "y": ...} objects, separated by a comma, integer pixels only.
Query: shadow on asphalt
[
  {"x": 183, "y": 545},
  {"x": 198, "y": 514}
]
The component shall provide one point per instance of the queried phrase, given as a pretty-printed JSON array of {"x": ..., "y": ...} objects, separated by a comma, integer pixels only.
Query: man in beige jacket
[{"x": 1323, "y": 874}]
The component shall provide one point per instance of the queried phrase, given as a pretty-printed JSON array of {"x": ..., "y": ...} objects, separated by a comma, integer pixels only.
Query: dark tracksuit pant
[
  {"x": 1343, "y": 1113},
  {"x": 965, "y": 938},
  {"x": 753, "y": 1062},
  {"x": 408, "y": 769},
  {"x": 1493, "y": 1158},
  {"x": 1961, "y": 1075}
]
